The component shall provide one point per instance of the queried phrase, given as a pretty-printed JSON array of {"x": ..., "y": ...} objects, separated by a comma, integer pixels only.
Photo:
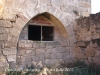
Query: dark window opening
[
  {"x": 40, "y": 33},
  {"x": 34, "y": 33},
  {"x": 47, "y": 33}
]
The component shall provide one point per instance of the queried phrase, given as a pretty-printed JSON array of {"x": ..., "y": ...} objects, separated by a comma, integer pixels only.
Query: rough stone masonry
[
  {"x": 60, "y": 13},
  {"x": 87, "y": 33}
]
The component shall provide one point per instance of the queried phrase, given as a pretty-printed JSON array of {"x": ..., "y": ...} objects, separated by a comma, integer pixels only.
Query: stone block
[
  {"x": 96, "y": 36},
  {"x": 21, "y": 52},
  {"x": 85, "y": 14},
  {"x": 11, "y": 58},
  {"x": 65, "y": 55},
  {"x": 52, "y": 62},
  {"x": 97, "y": 54},
  {"x": 48, "y": 56},
  {"x": 61, "y": 49},
  {"x": 88, "y": 38},
  {"x": 42, "y": 57},
  {"x": 49, "y": 51},
  {"x": 59, "y": 55},
  {"x": 1, "y": 17},
  {"x": 77, "y": 50},
  {"x": 9, "y": 17},
  {"x": 21, "y": 45},
  {"x": 56, "y": 56},
  {"x": 6, "y": 24},
  {"x": 49, "y": 45},
  {"x": 28, "y": 45},
  {"x": 52, "y": 44},
  {"x": 80, "y": 44},
  {"x": 95, "y": 45},
  {"x": 39, "y": 51},
  {"x": 3, "y": 63},
  {"x": 79, "y": 56},
  {"x": 90, "y": 51},
  {"x": 19, "y": 23},
  {"x": 27, "y": 58},
  {"x": 35, "y": 45},
  {"x": 14, "y": 38},
  {"x": 63, "y": 43},
  {"x": 53, "y": 55},
  {"x": 35, "y": 58},
  {"x": 3, "y": 37},
  {"x": 8, "y": 51},
  {"x": 42, "y": 45},
  {"x": 9, "y": 44},
  {"x": 90, "y": 60},
  {"x": 72, "y": 40},
  {"x": 96, "y": 60},
  {"x": 30, "y": 52},
  {"x": 15, "y": 32}
]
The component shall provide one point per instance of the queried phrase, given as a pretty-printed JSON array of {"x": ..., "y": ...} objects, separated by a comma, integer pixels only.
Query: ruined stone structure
[
  {"x": 15, "y": 46},
  {"x": 87, "y": 33}
]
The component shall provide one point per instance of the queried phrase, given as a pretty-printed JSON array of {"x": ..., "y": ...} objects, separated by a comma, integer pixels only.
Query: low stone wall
[{"x": 43, "y": 53}]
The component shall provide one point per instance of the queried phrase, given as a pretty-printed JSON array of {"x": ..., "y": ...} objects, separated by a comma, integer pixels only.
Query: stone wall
[
  {"x": 17, "y": 14},
  {"x": 87, "y": 32},
  {"x": 44, "y": 53}
]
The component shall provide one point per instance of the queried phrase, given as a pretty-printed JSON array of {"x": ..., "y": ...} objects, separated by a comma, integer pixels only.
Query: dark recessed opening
[
  {"x": 40, "y": 33},
  {"x": 47, "y": 33},
  {"x": 34, "y": 33}
]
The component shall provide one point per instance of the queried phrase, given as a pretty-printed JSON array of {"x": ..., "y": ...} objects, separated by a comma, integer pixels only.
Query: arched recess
[
  {"x": 54, "y": 21},
  {"x": 49, "y": 51}
]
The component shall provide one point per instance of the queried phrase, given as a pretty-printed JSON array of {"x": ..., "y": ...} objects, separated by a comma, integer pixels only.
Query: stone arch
[
  {"x": 59, "y": 49},
  {"x": 22, "y": 21},
  {"x": 54, "y": 21}
]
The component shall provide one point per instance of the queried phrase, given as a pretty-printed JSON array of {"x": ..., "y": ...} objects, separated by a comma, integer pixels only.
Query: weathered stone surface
[
  {"x": 11, "y": 58},
  {"x": 35, "y": 45},
  {"x": 9, "y": 44},
  {"x": 35, "y": 58},
  {"x": 79, "y": 56},
  {"x": 3, "y": 63},
  {"x": 61, "y": 49},
  {"x": 48, "y": 56},
  {"x": 5, "y": 24},
  {"x": 90, "y": 51},
  {"x": 3, "y": 37},
  {"x": 80, "y": 44},
  {"x": 49, "y": 51},
  {"x": 30, "y": 52},
  {"x": 97, "y": 54},
  {"x": 77, "y": 49},
  {"x": 59, "y": 55},
  {"x": 95, "y": 45},
  {"x": 28, "y": 45},
  {"x": 1, "y": 6},
  {"x": 1, "y": 17},
  {"x": 90, "y": 60},
  {"x": 96, "y": 60},
  {"x": 42, "y": 57},
  {"x": 21, "y": 52},
  {"x": 8, "y": 16},
  {"x": 39, "y": 51},
  {"x": 8, "y": 51},
  {"x": 42, "y": 45}
]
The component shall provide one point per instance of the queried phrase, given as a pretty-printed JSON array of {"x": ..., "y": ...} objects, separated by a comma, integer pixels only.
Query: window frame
[{"x": 41, "y": 25}]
